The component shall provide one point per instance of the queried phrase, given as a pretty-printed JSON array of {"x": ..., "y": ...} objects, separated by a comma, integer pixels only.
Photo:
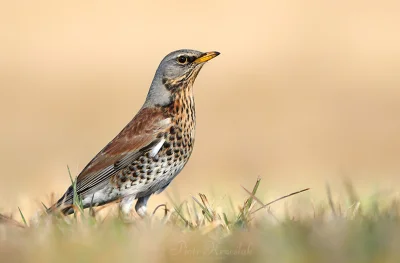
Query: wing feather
[{"x": 137, "y": 138}]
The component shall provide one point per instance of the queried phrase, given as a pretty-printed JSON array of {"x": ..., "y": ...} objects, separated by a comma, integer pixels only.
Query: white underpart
[
  {"x": 157, "y": 148},
  {"x": 103, "y": 195}
]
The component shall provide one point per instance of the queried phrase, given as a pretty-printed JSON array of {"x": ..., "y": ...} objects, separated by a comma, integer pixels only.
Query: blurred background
[{"x": 304, "y": 93}]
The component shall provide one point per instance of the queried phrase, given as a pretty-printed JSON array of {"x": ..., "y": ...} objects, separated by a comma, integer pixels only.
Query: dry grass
[{"x": 198, "y": 230}]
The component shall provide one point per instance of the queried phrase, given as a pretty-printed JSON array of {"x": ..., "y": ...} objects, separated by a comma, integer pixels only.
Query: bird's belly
[
  {"x": 148, "y": 175},
  {"x": 155, "y": 177}
]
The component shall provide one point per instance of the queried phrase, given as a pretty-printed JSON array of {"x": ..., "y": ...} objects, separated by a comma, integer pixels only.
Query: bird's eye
[{"x": 182, "y": 59}]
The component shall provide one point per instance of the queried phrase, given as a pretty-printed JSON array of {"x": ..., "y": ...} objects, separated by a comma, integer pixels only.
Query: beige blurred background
[{"x": 303, "y": 93}]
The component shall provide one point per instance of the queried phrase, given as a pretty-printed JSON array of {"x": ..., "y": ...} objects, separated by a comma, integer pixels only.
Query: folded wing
[{"x": 141, "y": 135}]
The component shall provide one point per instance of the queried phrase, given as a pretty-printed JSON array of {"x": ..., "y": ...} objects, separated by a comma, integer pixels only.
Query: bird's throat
[{"x": 183, "y": 104}]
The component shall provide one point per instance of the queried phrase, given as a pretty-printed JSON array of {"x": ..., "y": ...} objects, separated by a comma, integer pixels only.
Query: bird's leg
[
  {"x": 141, "y": 205},
  {"x": 126, "y": 205}
]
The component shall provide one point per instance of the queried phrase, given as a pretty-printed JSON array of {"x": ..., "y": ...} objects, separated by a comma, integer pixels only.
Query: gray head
[{"x": 176, "y": 71}]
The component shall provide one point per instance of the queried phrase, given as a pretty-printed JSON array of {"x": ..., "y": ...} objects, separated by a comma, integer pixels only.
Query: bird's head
[{"x": 176, "y": 71}]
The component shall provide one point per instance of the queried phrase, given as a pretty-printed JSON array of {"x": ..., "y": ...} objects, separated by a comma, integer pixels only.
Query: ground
[{"x": 201, "y": 230}]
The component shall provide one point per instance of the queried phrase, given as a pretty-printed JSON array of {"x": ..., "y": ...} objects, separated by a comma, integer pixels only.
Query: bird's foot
[
  {"x": 141, "y": 206},
  {"x": 142, "y": 211},
  {"x": 125, "y": 208}
]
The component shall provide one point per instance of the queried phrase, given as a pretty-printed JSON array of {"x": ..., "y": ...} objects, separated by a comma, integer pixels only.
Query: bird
[{"x": 152, "y": 149}]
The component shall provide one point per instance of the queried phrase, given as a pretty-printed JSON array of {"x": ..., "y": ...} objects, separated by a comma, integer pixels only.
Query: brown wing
[{"x": 138, "y": 137}]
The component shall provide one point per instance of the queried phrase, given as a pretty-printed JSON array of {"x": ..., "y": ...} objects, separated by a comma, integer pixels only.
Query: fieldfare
[{"x": 153, "y": 148}]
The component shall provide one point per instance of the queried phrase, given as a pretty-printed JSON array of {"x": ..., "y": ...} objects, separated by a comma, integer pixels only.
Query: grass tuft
[{"x": 351, "y": 229}]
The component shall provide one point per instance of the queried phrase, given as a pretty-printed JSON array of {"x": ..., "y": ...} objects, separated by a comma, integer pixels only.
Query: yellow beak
[{"x": 206, "y": 57}]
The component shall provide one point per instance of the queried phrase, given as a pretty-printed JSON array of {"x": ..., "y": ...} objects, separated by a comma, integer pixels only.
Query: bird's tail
[
  {"x": 63, "y": 205},
  {"x": 63, "y": 208}
]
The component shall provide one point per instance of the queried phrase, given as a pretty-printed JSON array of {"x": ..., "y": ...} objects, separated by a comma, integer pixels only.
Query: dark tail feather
[{"x": 64, "y": 203}]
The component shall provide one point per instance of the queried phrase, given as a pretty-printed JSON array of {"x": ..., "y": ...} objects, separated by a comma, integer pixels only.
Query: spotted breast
[{"x": 151, "y": 173}]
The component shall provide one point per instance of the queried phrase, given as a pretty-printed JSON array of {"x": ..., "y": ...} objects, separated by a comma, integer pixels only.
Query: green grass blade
[
  {"x": 205, "y": 210},
  {"x": 74, "y": 189},
  {"x": 76, "y": 200},
  {"x": 330, "y": 200},
  {"x": 250, "y": 200},
  {"x": 226, "y": 219},
  {"x": 244, "y": 212},
  {"x": 22, "y": 216},
  {"x": 178, "y": 210}
]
